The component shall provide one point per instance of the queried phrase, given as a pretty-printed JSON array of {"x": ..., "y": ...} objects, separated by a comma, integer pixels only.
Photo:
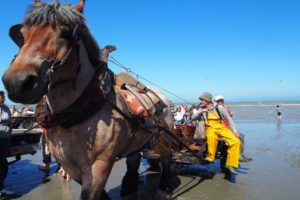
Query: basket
[{"x": 188, "y": 133}]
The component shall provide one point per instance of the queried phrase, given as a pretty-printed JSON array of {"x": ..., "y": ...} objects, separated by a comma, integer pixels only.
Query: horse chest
[{"x": 64, "y": 144}]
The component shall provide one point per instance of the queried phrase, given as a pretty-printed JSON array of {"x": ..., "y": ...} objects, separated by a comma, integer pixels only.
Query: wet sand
[{"x": 273, "y": 174}]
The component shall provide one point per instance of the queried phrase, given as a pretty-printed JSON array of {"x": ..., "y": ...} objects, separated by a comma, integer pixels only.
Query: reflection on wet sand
[{"x": 279, "y": 125}]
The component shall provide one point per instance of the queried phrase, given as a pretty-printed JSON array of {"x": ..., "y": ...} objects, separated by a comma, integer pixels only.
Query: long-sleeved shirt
[{"x": 5, "y": 122}]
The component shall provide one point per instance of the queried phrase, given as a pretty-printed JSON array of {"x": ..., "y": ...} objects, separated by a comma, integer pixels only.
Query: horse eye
[{"x": 65, "y": 34}]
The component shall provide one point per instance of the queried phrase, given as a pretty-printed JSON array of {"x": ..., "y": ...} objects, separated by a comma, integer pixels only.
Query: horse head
[{"x": 48, "y": 41}]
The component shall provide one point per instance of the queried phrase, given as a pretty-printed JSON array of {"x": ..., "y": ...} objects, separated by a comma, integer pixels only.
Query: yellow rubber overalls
[{"x": 215, "y": 129}]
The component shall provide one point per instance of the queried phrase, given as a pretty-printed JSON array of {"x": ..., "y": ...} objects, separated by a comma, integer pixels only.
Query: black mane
[
  {"x": 53, "y": 14},
  {"x": 57, "y": 14}
]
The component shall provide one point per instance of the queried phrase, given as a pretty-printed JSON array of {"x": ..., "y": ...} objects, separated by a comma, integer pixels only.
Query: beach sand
[{"x": 274, "y": 174}]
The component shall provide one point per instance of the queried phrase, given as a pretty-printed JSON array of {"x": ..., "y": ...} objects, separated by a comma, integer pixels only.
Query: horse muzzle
[{"x": 24, "y": 87}]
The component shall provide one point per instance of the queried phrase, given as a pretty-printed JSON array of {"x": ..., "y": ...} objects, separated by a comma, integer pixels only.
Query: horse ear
[{"x": 79, "y": 6}]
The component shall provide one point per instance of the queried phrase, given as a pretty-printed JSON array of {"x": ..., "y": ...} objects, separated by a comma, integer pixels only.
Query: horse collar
[{"x": 84, "y": 107}]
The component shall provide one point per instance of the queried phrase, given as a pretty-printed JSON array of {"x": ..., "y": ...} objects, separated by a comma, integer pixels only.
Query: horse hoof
[
  {"x": 126, "y": 192},
  {"x": 129, "y": 184},
  {"x": 163, "y": 195},
  {"x": 104, "y": 196}
]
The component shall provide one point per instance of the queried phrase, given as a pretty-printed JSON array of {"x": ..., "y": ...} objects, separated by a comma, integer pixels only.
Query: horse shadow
[{"x": 24, "y": 176}]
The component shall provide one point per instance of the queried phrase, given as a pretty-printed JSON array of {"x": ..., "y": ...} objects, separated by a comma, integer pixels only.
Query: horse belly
[{"x": 138, "y": 142}]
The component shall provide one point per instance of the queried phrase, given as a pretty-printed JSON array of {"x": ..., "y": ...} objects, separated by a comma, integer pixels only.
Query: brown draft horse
[{"x": 59, "y": 60}]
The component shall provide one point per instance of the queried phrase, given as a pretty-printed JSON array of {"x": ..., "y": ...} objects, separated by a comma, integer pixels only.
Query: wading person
[
  {"x": 5, "y": 137},
  {"x": 220, "y": 101},
  {"x": 215, "y": 129},
  {"x": 278, "y": 112},
  {"x": 47, "y": 159},
  {"x": 46, "y": 154}
]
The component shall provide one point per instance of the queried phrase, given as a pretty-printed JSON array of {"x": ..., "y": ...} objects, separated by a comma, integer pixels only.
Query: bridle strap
[{"x": 59, "y": 64}]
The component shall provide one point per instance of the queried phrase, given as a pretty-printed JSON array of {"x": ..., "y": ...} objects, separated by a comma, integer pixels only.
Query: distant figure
[
  {"x": 179, "y": 115},
  {"x": 15, "y": 111},
  {"x": 278, "y": 112},
  {"x": 47, "y": 159},
  {"x": 46, "y": 154},
  {"x": 26, "y": 110}
]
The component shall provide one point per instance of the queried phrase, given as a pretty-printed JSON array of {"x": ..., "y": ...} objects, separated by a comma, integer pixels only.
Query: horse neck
[{"x": 66, "y": 93}]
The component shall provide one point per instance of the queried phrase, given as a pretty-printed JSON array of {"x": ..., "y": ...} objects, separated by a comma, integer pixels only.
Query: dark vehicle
[
  {"x": 25, "y": 141},
  {"x": 26, "y": 134},
  {"x": 25, "y": 121}
]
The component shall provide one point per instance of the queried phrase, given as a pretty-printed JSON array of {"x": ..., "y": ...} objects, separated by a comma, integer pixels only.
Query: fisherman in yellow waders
[{"x": 215, "y": 129}]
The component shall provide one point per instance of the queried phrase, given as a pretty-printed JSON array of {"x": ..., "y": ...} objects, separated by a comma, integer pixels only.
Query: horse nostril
[{"x": 29, "y": 82}]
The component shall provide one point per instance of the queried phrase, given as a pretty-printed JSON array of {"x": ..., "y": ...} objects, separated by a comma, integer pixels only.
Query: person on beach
[
  {"x": 26, "y": 110},
  {"x": 219, "y": 99},
  {"x": 47, "y": 159},
  {"x": 46, "y": 154},
  {"x": 215, "y": 128},
  {"x": 179, "y": 115},
  {"x": 5, "y": 137},
  {"x": 278, "y": 112}
]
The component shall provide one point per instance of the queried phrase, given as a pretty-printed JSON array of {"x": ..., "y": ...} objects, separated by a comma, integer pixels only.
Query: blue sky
[{"x": 245, "y": 50}]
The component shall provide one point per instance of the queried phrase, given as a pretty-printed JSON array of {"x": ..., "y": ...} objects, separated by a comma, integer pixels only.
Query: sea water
[{"x": 265, "y": 112}]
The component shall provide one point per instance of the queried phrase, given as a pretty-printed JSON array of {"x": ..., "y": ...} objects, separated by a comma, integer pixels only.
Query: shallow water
[{"x": 273, "y": 174}]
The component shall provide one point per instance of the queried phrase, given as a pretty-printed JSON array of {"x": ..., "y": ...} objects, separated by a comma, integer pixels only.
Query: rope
[{"x": 128, "y": 70}]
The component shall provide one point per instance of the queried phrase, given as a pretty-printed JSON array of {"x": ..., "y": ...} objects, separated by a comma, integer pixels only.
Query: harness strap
[
  {"x": 130, "y": 145},
  {"x": 53, "y": 81},
  {"x": 132, "y": 120},
  {"x": 216, "y": 108},
  {"x": 134, "y": 123}
]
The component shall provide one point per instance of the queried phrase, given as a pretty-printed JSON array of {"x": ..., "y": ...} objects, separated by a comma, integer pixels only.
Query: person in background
[
  {"x": 200, "y": 127},
  {"x": 179, "y": 115},
  {"x": 215, "y": 129},
  {"x": 5, "y": 137},
  {"x": 278, "y": 112},
  {"x": 26, "y": 110},
  {"x": 46, "y": 154},
  {"x": 15, "y": 111},
  {"x": 219, "y": 99},
  {"x": 47, "y": 159}
]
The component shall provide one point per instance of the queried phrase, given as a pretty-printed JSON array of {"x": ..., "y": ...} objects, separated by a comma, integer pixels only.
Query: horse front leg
[
  {"x": 94, "y": 179},
  {"x": 130, "y": 180}
]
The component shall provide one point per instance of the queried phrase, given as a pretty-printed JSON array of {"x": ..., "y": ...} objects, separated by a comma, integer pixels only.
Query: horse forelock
[
  {"x": 57, "y": 14},
  {"x": 53, "y": 14}
]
